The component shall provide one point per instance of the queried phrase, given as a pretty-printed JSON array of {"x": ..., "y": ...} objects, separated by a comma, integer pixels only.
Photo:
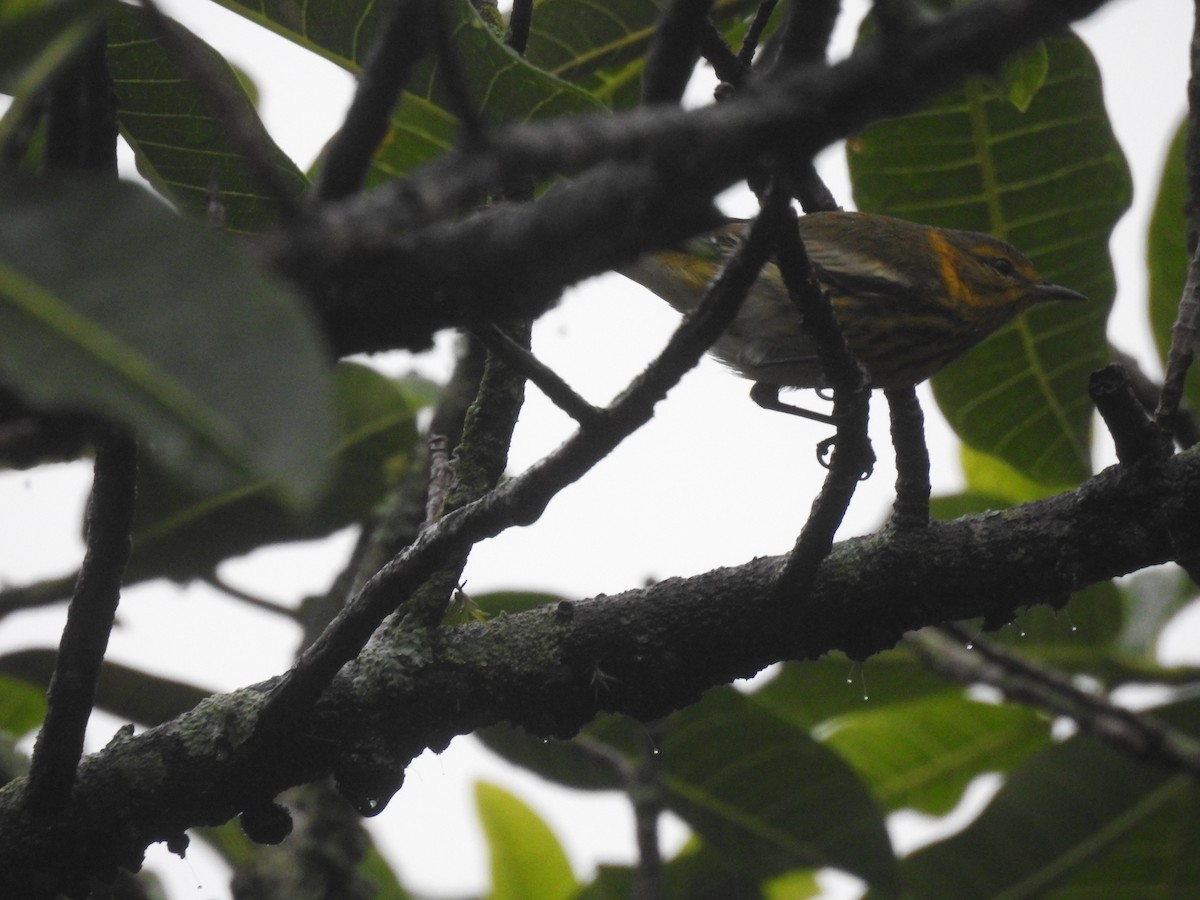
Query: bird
[{"x": 908, "y": 298}]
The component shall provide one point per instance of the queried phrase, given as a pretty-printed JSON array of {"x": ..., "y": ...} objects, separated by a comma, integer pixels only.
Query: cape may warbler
[{"x": 909, "y": 298}]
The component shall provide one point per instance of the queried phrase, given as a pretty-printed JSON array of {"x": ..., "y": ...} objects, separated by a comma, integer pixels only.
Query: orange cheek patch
[{"x": 945, "y": 255}]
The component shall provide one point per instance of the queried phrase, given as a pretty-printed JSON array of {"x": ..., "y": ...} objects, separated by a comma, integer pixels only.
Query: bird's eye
[{"x": 1004, "y": 266}]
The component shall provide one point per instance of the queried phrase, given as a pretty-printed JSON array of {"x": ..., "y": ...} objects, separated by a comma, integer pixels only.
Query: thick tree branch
[
  {"x": 495, "y": 265},
  {"x": 660, "y": 647}
]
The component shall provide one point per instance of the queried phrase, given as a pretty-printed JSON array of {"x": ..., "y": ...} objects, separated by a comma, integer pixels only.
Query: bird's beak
[{"x": 1048, "y": 291}]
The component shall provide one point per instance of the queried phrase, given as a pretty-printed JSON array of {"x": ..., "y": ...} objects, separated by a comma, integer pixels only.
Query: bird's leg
[{"x": 766, "y": 395}]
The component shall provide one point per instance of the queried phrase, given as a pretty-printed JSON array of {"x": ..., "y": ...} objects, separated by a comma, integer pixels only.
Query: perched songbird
[{"x": 909, "y": 298}]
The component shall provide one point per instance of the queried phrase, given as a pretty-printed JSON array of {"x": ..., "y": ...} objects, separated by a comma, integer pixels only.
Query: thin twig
[
  {"x": 1191, "y": 204},
  {"x": 852, "y": 457},
  {"x": 214, "y": 580},
  {"x": 479, "y": 462},
  {"x": 646, "y": 794},
  {"x": 728, "y": 68},
  {"x": 452, "y": 80},
  {"x": 1134, "y": 733},
  {"x": 1183, "y": 339},
  {"x": 673, "y": 53},
  {"x": 520, "y": 21},
  {"x": 911, "y": 508},
  {"x": 547, "y": 380},
  {"x": 754, "y": 33},
  {"x": 1184, "y": 425},
  {"x": 109, "y": 523},
  {"x": 804, "y": 36},
  {"x": 441, "y": 478},
  {"x": 407, "y": 35},
  {"x": 1134, "y": 435}
]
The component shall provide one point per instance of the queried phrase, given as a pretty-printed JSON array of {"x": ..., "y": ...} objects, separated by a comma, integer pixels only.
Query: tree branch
[
  {"x": 519, "y": 501},
  {"x": 674, "y": 50},
  {"x": 661, "y": 647},
  {"x": 377, "y": 247},
  {"x": 911, "y": 509},
  {"x": 72, "y": 691},
  {"x": 1132, "y": 732}
]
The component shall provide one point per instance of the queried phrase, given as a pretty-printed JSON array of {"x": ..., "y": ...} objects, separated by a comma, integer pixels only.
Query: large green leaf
[
  {"x": 505, "y": 86},
  {"x": 1051, "y": 180},
  {"x": 181, "y": 534},
  {"x": 763, "y": 794},
  {"x": 528, "y": 863},
  {"x": 571, "y": 763},
  {"x": 113, "y": 305},
  {"x": 125, "y": 692},
  {"x": 1065, "y": 812},
  {"x": 181, "y": 146},
  {"x": 815, "y": 693},
  {"x": 923, "y": 754},
  {"x": 602, "y": 47},
  {"x": 766, "y": 796}
]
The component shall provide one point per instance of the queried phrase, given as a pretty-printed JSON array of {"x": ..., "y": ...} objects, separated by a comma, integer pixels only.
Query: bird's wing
[{"x": 851, "y": 272}]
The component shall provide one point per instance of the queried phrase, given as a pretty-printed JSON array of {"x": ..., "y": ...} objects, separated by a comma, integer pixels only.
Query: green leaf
[
  {"x": 181, "y": 147},
  {"x": 1024, "y": 75},
  {"x": 569, "y": 763},
  {"x": 505, "y": 86},
  {"x": 127, "y": 693},
  {"x": 22, "y": 707},
  {"x": 992, "y": 476},
  {"x": 768, "y": 797},
  {"x": 497, "y": 603},
  {"x": 816, "y": 693},
  {"x": 181, "y": 534},
  {"x": 1167, "y": 257},
  {"x": 1062, "y": 813},
  {"x": 602, "y": 48},
  {"x": 1091, "y": 620},
  {"x": 797, "y": 885},
  {"x": 1158, "y": 858},
  {"x": 384, "y": 878},
  {"x": 1052, "y": 181},
  {"x": 113, "y": 305},
  {"x": 922, "y": 755},
  {"x": 1152, "y": 598},
  {"x": 528, "y": 863}
]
